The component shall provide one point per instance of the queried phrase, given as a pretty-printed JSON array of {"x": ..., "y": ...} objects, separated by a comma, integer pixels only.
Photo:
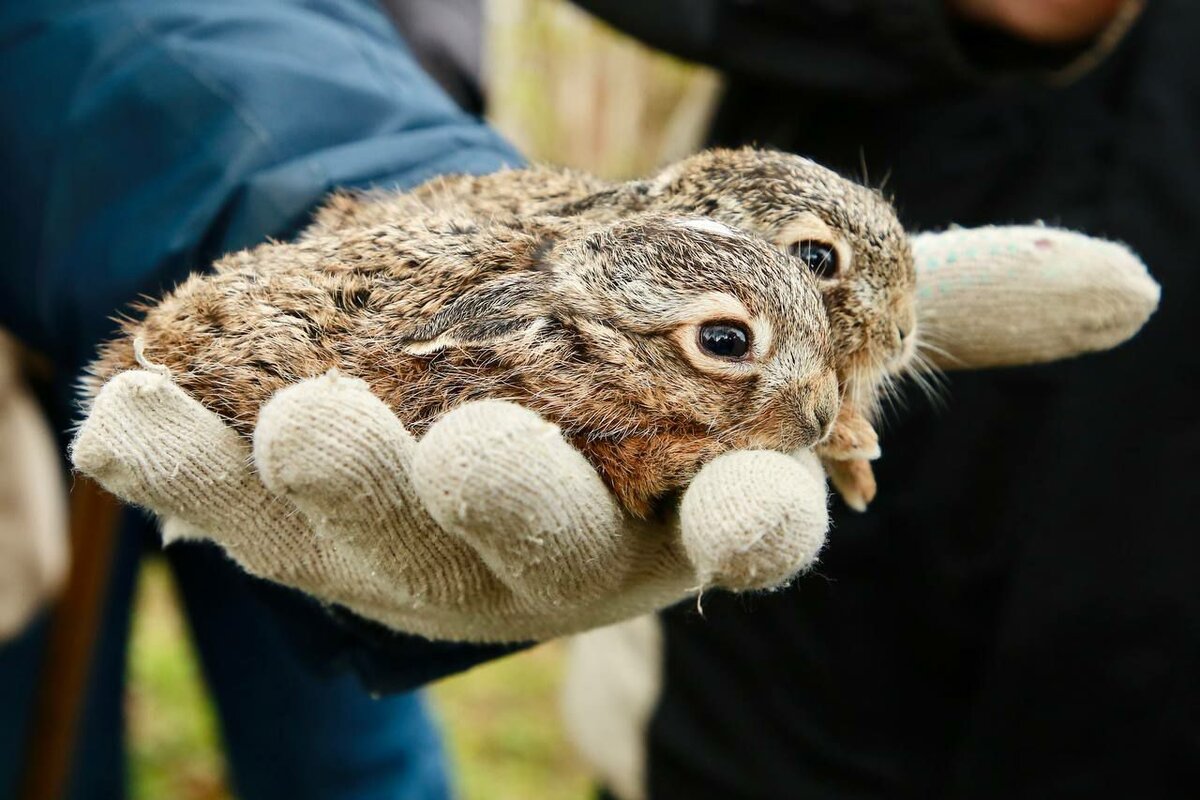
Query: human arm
[
  {"x": 873, "y": 48},
  {"x": 142, "y": 140}
]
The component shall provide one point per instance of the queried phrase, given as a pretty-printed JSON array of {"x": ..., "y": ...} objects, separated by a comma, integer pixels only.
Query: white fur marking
[{"x": 708, "y": 226}]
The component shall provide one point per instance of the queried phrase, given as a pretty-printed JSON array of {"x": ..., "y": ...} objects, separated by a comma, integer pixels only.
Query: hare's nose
[
  {"x": 825, "y": 407},
  {"x": 824, "y": 420},
  {"x": 905, "y": 345},
  {"x": 905, "y": 326}
]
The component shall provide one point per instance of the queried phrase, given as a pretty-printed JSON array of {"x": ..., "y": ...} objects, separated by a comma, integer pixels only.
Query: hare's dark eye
[
  {"x": 725, "y": 339},
  {"x": 820, "y": 257}
]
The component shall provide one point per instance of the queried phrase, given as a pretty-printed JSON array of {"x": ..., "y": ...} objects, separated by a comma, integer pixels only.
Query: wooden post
[{"x": 67, "y": 662}]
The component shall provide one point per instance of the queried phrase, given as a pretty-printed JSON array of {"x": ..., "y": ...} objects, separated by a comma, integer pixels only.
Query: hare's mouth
[
  {"x": 782, "y": 426},
  {"x": 905, "y": 352},
  {"x": 872, "y": 381}
]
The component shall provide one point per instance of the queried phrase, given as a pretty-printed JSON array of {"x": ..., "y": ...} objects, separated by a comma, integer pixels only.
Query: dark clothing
[
  {"x": 1018, "y": 615},
  {"x": 859, "y": 49},
  {"x": 446, "y": 37}
]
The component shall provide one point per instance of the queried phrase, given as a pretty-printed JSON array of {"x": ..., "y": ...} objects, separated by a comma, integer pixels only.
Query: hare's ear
[
  {"x": 626, "y": 198},
  {"x": 512, "y": 307},
  {"x": 663, "y": 181}
]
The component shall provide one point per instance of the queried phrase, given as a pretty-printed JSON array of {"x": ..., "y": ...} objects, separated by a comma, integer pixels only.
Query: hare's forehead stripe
[{"x": 705, "y": 225}]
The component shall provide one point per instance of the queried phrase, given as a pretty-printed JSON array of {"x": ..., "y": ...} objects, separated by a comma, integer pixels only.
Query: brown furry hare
[{"x": 655, "y": 342}]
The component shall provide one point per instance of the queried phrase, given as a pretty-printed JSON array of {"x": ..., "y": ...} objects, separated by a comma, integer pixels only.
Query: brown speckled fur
[
  {"x": 581, "y": 322},
  {"x": 869, "y": 304}
]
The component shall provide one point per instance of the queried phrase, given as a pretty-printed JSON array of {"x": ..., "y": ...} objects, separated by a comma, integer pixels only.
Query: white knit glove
[
  {"x": 1025, "y": 294},
  {"x": 33, "y": 517},
  {"x": 492, "y": 527}
]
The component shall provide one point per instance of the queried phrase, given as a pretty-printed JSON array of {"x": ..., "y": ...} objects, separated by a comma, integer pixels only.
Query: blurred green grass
[
  {"x": 502, "y": 727},
  {"x": 174, "y": 745}
]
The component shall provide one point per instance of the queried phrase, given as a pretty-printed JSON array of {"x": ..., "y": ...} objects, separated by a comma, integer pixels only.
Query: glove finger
[
  {"x": 998, "y": 296},
  {"x": 335, "y": 451},
  {"x": 146, "y": 441},
  {"x": 505, "y": 480},
  {"x": 752, "y": 519}
]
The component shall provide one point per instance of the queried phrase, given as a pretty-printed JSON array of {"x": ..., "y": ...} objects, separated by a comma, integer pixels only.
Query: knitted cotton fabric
[
  {"x": 491, "y": 528},
  {"x": 1027, "y": 294}
]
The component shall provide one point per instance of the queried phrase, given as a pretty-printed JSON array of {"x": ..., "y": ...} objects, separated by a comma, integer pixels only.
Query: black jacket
[{"x": 1018, "y": 616}]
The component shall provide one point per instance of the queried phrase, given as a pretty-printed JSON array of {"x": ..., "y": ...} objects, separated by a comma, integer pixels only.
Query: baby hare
[{"x": 655, "y": 342}]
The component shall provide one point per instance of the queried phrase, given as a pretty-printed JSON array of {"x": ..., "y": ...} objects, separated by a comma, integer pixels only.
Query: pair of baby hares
[{"x": 737, "y": 299}]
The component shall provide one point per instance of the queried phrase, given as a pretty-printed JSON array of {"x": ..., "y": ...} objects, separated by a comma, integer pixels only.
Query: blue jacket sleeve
[{"x": 142, "y": 139}]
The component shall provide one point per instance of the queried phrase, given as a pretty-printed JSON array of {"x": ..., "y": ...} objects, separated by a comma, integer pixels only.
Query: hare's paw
[
  {"x": 846, "y": 456},
  {"x": 852, "y": 437},
  {"x": 854, "y": 480}
]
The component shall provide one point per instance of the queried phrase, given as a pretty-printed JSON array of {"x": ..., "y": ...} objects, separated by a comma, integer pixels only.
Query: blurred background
[
  {"x": 957, "y": 657},
  {"x": 566, "y": 89}
]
